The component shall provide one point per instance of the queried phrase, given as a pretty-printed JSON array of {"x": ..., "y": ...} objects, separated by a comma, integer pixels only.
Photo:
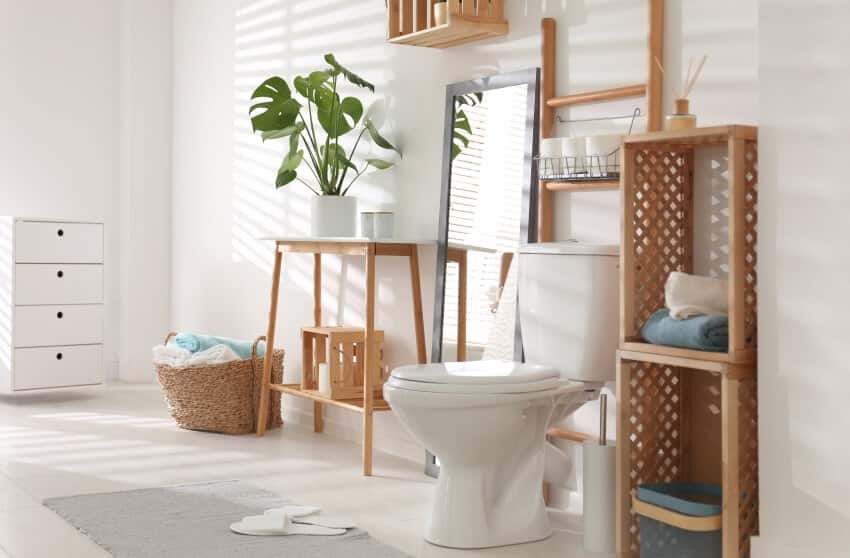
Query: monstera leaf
[
  {"x": 379, "y": 140},
  {"x": 349, "y": 75},
  {"x": 278, "y": 111},
  {"x": 315, "y": 88},
  {"x": 462, "y": 131},
  {"x": 340, "y": 117}
]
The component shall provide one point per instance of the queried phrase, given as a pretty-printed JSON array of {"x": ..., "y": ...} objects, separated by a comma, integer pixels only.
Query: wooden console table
[{"x": 343, "y": 247}]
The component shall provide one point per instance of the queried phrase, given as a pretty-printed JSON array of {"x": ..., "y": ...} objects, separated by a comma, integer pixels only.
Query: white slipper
[
  {"x": 321, "y": 520},
  {"x": 295, "y": 511},
  {"x": 279, "y": 525}
]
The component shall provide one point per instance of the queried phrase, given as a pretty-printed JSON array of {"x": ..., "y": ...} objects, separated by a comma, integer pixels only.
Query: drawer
[
  {"x": 52, "y": 242},
  {"x": 39, "y": 326},
  {"x": 50, "y": 367},
  {"x": 58, "y": 284}
]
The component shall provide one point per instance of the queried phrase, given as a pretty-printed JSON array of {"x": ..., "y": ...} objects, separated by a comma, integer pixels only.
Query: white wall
[
  {"x": 804, "y": 270},
  {"x": 58, "y": 110},
  {"x": 85, "y": 105},
  {"x": 144, "y": 183},
  {"x": 223, "y": 198}
]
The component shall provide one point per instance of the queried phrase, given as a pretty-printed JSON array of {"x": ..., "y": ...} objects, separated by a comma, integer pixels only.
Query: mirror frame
[{"x": 528, "y": 223}]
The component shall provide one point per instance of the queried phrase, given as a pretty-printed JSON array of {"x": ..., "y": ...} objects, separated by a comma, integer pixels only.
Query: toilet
[{"x": 486, "y": 420}]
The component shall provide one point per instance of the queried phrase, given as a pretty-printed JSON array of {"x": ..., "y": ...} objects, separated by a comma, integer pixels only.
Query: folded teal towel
[
  {"x": 195, "y": 343},
  {"x": 704, "y": 333}
]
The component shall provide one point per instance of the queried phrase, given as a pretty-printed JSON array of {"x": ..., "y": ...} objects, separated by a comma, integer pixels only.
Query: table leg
[
  {"x": 418, "y": 323},
  {"x": 369, "y": 361},
  {"x": 461, "y": 306},
  {"x": 318, "y": 421},
  {"x": 265, "y": 389}
]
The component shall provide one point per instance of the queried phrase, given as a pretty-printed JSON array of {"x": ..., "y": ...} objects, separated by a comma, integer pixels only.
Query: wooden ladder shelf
[{"x": 549, "y": 102}]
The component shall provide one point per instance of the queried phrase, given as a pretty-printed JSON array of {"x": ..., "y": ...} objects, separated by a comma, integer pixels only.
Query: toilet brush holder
[{"x": 599, "y": 488}]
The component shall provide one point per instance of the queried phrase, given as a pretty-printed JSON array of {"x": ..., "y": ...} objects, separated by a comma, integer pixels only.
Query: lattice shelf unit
[
  {"x": 411, "y": 22},
  {"x": 686, "y": 415}
]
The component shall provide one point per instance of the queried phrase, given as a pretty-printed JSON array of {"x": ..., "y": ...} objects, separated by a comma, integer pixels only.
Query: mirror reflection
[{"x": 488, "y": 180}]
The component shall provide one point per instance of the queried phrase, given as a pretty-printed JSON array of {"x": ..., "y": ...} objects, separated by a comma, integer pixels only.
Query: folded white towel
[
  {"x": 172, "y": 355},
  {"x": 692, "y": 295}
]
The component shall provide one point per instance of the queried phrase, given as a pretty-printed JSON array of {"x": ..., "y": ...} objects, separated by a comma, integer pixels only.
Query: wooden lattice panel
[
  {"x": 748, "y": 464},
  {"x": 655, "y": 437},
  {"x": 661, "y": 224},
  {"x": 750, "y": 240}
]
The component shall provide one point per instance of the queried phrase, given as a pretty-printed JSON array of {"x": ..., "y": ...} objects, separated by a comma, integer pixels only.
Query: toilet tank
[{"x": 569, "y": 307}]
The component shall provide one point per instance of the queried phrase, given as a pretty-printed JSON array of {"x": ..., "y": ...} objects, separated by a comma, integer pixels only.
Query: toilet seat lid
[{"x": 476, "y": 377}]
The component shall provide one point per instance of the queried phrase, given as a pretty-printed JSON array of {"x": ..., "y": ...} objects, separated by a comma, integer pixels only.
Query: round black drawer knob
[
  {"x": 59, "y": 315},
  {"x": 58, "y": 356},
  {"x": 60, "y": 274},
  {"x": 60, "y": 232}
]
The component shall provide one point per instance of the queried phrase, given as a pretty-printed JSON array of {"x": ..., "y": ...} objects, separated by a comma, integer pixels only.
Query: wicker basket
[{"x": 220, "y": 397}]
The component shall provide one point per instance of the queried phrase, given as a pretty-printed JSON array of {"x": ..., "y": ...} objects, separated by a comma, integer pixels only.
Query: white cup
[{"x": 377, "y": 224}]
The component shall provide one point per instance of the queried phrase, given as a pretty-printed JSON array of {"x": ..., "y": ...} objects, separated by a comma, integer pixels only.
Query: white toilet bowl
[{"x": 486, "y": 422}]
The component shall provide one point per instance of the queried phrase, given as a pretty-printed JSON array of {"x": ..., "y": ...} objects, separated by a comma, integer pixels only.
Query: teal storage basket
[{"x": 686, "y": 506}]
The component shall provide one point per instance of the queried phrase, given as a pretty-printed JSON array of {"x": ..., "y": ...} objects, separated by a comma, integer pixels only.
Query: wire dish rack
[{"x": 588, "y": 167}]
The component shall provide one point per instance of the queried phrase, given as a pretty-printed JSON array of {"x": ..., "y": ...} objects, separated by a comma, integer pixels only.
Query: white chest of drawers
[{"x": 51, "y": 304}]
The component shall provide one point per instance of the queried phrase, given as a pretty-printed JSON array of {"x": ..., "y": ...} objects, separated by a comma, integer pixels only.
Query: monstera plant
[{"x": 314, "y": 124}]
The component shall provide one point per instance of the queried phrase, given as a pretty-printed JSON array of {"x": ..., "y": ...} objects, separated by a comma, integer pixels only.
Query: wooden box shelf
[
  {"x": 411, "y": 22},
  {"x": 341, "y": 348},
  {"x": 680, "y": 424},
  {"x": 658, "y": 222}
]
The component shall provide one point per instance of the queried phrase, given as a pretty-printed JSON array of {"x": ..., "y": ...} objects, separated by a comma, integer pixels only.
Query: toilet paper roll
[
  {"x": 599, "y": 496},
  {"x": 574, "y": 150},
  {"x": 550, "y": 147}
]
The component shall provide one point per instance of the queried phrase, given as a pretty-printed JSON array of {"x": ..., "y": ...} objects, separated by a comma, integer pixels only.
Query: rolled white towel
[{"x": 693, "y": 295}]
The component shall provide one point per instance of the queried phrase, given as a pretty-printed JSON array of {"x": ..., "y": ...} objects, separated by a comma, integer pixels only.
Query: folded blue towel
[
  {"x": 704, "y": 333},
  {"x": 194, "y": 343}
]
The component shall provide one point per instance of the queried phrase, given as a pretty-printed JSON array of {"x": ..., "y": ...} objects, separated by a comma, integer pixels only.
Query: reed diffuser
[{"x": 682, "y": 119}]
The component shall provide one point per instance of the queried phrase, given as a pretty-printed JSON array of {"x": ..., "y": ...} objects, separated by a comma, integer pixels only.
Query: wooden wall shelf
[{"x": 411, "y": 22}]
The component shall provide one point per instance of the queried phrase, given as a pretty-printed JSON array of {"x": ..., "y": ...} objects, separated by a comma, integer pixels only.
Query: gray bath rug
[{"x": 193, "y": 521}]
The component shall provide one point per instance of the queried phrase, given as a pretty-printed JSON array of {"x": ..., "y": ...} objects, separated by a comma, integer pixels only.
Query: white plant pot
[
  {"x": 441, "y": 13},
  {"x": 333, "y": 216}
]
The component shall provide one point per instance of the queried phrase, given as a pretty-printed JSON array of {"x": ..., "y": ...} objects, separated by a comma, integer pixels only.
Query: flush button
[
  {"x": 60, "y": 232},
  {"x": 58, "y": 356},
  {"x": 59, "y": 315},
  {"x": 60, "y": 274}
]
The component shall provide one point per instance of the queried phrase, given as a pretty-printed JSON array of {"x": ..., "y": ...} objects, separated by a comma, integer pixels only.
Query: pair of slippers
[{"x": 292, "y": 520}]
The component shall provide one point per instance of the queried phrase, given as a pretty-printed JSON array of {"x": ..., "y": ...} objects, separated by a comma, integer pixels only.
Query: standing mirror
[{"x": 488, "y": 209}]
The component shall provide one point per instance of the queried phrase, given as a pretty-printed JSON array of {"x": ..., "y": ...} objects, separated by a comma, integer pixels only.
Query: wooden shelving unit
[
  {"x": 411, "y": 22},
  {"x": 687, "y": 415}
]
